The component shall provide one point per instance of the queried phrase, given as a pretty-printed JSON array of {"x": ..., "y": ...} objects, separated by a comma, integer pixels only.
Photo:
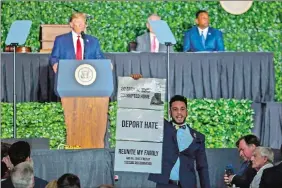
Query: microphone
[{"x": 84, "y": 41}]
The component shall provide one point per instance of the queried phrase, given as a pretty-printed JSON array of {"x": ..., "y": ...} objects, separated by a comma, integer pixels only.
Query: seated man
[
  {"x": 20, "y": 152},
  {"x": 22, "y": 175},
  {"x": 271, "y": 177},
  {"x": 148, "y": 42},
  {"x": 246, "y": 146},
  {"x": 202, "y": 37},
  {"x": 262, "y": 158}
]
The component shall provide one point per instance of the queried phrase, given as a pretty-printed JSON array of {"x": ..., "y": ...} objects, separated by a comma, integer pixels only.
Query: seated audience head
[
  {"x": 153, "y": 17},
  {"x": 262, "y": 156},
  {"x": 246, "y": 146},
  {"x": 19, "y": 152},
  {"x": 68, "y": 181},
  {"x": 178, "y": 109},
  {"x": 78, "y": 22},
  {"x": 22, "y": 175},
  {"x": 202, "y": 19}
]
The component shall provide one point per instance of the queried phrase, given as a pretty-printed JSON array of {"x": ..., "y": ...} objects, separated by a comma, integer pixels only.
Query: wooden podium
[
  {"x": 86, "y": 120},
  {"x": 85, "y": 100}
]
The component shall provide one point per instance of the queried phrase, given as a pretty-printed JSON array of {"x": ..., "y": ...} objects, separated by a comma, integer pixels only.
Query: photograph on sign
[
  {"x": 143, "y": 157},
  {"x": 144, "y": 93},
  {"x": 139, "y": 125}
]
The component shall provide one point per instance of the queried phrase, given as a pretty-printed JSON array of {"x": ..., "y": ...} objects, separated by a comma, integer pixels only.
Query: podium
[{"x": 85, "y": 87}]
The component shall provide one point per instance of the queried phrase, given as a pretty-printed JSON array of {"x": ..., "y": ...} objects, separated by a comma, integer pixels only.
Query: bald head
[{"x": 153, "y": 17}]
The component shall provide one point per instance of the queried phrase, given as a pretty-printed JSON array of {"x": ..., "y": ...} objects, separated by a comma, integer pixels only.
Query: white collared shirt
[
  {"x": 157, "y": 41},
  {"x": 205, "y": 32},
  {"x": 74, "y": 39}
]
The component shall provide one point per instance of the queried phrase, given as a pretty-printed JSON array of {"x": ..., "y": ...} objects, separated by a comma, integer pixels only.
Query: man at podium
[{"x": 75, "y": 44}]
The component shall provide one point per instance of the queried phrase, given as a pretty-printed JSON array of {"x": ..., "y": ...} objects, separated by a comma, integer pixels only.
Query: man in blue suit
[
  {"x": 203, "y": 37},
  {"x": 182, "y": 146},
  {"x": 76, "y": 44}
]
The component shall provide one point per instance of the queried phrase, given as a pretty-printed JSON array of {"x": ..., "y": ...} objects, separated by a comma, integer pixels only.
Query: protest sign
[
  {"x": 140, "y": 125},
  {"x": 145, "y": 93},
  {"x": 133, "y": 156}
]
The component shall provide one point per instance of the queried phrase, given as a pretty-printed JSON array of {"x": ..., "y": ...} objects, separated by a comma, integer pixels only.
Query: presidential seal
[{"x": 85, "y": 74}]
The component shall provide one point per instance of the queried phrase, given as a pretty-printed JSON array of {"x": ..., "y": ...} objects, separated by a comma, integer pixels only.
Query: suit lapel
[
  {"x": 209, "y": 36},
  {"x": 70, "y": 45},
  {"x": 197, "y": 36},
  {"x": 148, "y": 41},
  {"x": 86, "y": 44}
]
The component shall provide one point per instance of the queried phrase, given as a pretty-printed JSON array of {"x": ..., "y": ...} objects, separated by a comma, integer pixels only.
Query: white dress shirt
[
  {"x": 205, "y": 32},
  {"x": 157, "y": 41},
  {"x": 74, "y": 39}
]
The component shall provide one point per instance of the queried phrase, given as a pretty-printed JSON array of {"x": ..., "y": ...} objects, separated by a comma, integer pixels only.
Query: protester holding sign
[{"x": 182, "y": 146}]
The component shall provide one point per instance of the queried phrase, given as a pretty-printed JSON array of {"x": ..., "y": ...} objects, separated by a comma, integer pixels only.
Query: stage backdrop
[{"x": 117, "y": 23}]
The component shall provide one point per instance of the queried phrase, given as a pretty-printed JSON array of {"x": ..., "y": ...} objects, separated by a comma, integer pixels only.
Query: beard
[{"x": 178, "y": 123}]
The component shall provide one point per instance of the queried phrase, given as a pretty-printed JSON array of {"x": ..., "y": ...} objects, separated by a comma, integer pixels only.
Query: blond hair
[
  {"x": 52, "y": 184},
  {"x": 78, "y": 15}
]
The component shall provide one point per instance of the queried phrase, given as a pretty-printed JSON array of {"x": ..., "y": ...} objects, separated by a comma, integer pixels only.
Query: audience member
[
  {"x": 68, "y": 181},
  {"x": 262, "y": 158},
  {"x": 148, "y": 42},
  {"x": 272, "y": 177},
  {"x": 22, "y": 175},
  {"x": 20, "y": 152},
  {"x": 202, "y": 37},
  {"x": 246, "y": 146}
]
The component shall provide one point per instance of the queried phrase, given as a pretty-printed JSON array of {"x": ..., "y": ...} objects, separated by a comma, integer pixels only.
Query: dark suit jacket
[
  {"x": 272, "y": 177},
  {"x": 64, "y": 48},
  {"x": 193, "y": 41},
  {"x": 144, "y": 44},
  {"x": 244, "y": 180},
  {"x": 38, "y": 183},
  {"x": 195, "y": 152}
]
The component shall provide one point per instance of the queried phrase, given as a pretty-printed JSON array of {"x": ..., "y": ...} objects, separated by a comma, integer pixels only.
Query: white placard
[
  {"x": 144, "y": 93},
  {"x": 143, "y": 157},
  {"x": 140, "y": 125}
]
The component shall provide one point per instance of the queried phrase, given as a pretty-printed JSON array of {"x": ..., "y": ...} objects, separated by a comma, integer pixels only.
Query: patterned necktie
[
  {"x": 203, "y": 39},
  {"x": 78, "y": 49},
  {"x": 154, "y": 45}
]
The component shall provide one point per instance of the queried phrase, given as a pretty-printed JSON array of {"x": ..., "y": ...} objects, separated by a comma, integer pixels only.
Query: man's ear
[
  {"x": 71, "y": 24},
  {"x": 196, "y": 20}
]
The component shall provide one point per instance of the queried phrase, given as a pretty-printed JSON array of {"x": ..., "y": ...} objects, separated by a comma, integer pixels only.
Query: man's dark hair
[
  {"x": 19, "y": 152},
  {"x": 201, "y": 11},
  {"x": 178, "y": 98},
  {"x": 249, "y": 139},
  {"x": 68, "y": 181}
]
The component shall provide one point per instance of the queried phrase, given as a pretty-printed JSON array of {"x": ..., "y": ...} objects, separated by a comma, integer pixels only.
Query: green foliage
[
  {"x": 221, "y": 121},
  {"x": 118, "y": 22},
  {"x": 35, "y": 120}
]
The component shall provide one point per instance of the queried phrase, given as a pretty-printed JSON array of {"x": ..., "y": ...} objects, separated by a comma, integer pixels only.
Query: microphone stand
[
  {"x": 14, "y": 92},
  {"x": 84, "y": 42},
  {"x": 168, "y": 44}
]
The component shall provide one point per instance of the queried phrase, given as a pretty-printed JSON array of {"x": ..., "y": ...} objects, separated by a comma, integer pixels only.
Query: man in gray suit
[{"x": 148, "y": 42}]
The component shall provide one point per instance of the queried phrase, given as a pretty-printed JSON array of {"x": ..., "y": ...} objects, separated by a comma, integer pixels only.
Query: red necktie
[
  {"x": 154, "y": 44},
  {"x": 78, "y": 49}
]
